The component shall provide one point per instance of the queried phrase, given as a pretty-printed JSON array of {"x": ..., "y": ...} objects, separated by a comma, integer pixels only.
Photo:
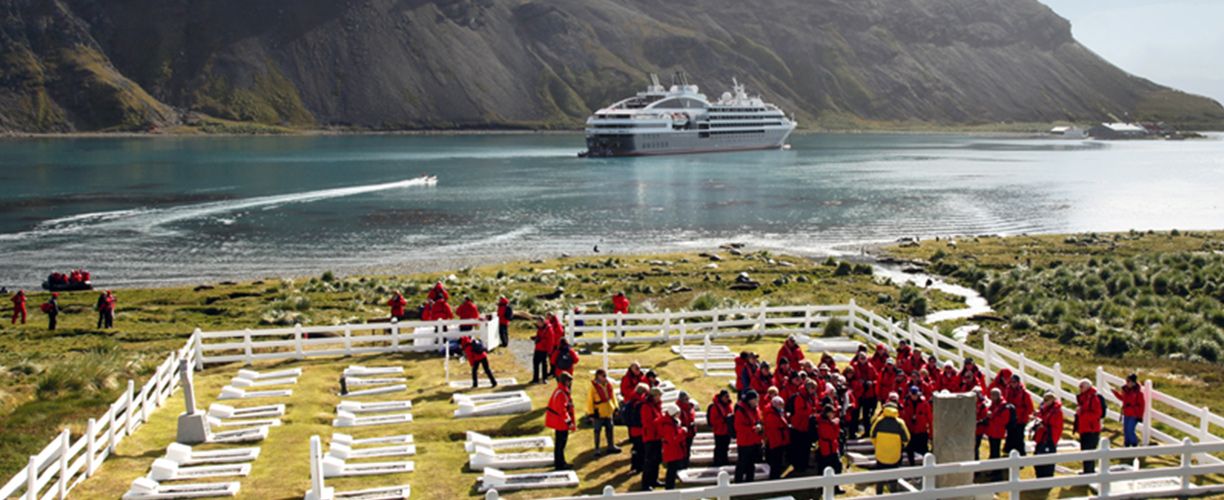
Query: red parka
[
  {"x": 716, "y": 416},
  {"x": 557, "y": 353},
  {"x": 1001, "y": 414},
  {"x": 468, "y": 351},
  {"x": 805, "y": 407},
  {"x": 1051, "y": 418},
  {"x": 777, "y": 431},
  {"x": 793, "y": 354},
  {"x": 947, "y": 381},
  {"x": 917, "y": 415},
  {"x": 620, "y": 304},
  {"x": 1019, "y": 397},
  {"x": 746, "y": 420},
  {"x": 675, "y": 439},
  {"x": 397, "y": 304},
  {"x": 438, "y": 292},
  {"x": 1089, "y": 413},
  {"x": 1133, "y": 404},
  {"x": 441, "y": 310},
  {"x": 468, "y": 310},
  {"x": 650, "y": 412},
  {"x": 629, "y": 383},
  {"x": 983, "y": 415},
  {"x": 828, "y": 431},
  {"x": 544, "y": 339},
  {"x": 560, "y": 413}
]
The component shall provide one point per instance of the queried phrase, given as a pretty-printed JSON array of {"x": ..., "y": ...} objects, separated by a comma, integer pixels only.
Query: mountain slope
[{"x": 548, "y": 63}]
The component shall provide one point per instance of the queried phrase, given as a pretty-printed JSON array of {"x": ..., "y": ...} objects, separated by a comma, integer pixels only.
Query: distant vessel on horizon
[{"x": 683, "y": 120}]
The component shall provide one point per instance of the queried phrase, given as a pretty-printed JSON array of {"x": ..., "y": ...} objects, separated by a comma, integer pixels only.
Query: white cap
[{"x": 672, "y": 409}]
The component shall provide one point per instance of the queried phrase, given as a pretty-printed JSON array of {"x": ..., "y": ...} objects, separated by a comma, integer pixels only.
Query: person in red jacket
[
  {"x": 777, "y": 436},
  {"x": 790, "y": 351},
  {"x": 1089, "y": 410},
  {"x": 1001, "y": 381},
  {"x": 719, "y": 416},
  {"x": 652, "y": 439},
  {"x": 916, "y": 412},
  {"x": 441, "y": 310},
  {"x": 397, "y": 304},
  {"x": 467, "y": 310},
  {"x": 1133, "y": 407},
  {"x": 880, "y": 358},
  {"x": 969, "y": 370},
  {"x": 867, "y": 374},
  {"x": 688, "y": 420},
  {"x": 438, "y": 292},
  {"x": 947, "y": 379},
  {"x": 558, "y": 330},
  {"x": 560, "y": 417},
  {"x": 887, "y": 382},
  {"x": 477, "y": 356},
  {"x": 1017, "y": 394},
  {"x": 828, "y": 442},
  {"x": 564, "y": 358},
  {"x": 675, "y": 439},
  {"x": 1001, "y": 416},
  {"x": 543, "y": 347},
  {"x": 631, "y": 412},
  {"x": 983, "y": 416},
  {"x": 19, "y": 306},
  {"x": 781, "y": 378},
  {"x": 857, "y": 389},
  {"x": 804, "y": 408},
  {"x": 1048, "y": 431},
  {"x": 505, "y": 313},
  {"x": 427, "y": 311},
  {"x": 748, "y": 430},
  {"x": 620, "y": 303},
  {"x": 903, "y": 354},
  {"x": 746, "y": 368},
  {"x": 763, "y": 379},
  {"x": 633, "y": 377}
]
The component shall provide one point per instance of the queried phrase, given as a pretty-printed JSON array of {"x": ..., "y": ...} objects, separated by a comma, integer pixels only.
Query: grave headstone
[
  {"x": 192, "y": 424},
  {"x": 955, "y": 420}
]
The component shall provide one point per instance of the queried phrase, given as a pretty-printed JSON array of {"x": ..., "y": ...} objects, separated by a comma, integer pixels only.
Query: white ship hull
[{"x": 682, "y": 142}]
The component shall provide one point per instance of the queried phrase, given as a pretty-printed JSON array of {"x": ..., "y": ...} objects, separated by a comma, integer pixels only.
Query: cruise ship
[{"x": 683, "y": 120}]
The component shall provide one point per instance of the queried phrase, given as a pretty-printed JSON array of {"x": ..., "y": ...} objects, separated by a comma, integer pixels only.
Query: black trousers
[
  {"x": 917, "y": 447},
  {"x": 776, "y": 458},
  {"x": 503, "y": 331},
  {"x": 800, "y": 450},
  {"x": 996, "y": 451},
  {"x": 489, "y": 373},
  {"x": 51, "y": 320},
  {"x": 745, "y": 464},
  {"x": 722, "y": 447},
  {"x": 1044, "y": 448},
  {"x": 866, "y": 410},
  {"x": 597, "y": 424},
  {"x": 831, "y": 460},
  {"x": 892, "y": 485},
  {"x": 1014, "y": 440},
  {"x": 977, "y": 446},
  {"x": 1089, "y": 441},
  {"x": 673, "y": 471},
  {"x": 559, "y": 448},
  {"x": 637, "y": 454},
  {"x": 539, "y": 367},
  {"x": 650, "y": 464}
]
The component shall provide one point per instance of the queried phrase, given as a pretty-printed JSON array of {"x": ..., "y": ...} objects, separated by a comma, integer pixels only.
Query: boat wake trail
[{"x": 152, "y": 221}]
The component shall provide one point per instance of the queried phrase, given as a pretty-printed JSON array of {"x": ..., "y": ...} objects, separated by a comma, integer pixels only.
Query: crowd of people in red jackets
[{"x": 72, "y": 278}]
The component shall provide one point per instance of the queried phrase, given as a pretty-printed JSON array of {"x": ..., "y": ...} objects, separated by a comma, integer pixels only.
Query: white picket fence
[
  {"x": 300, "y": 342},
  {"x": 1104, "y": 480},
  {"x": 64, "y": 463}
]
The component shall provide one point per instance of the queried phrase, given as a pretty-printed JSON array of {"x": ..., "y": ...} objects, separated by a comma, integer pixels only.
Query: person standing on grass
[
  {"x": 632, "y": 414},
  {"x": 106, "y": 310},
  {"x": 397, "y": 304},
  {"x": 803, "y": 414},
  {"x": 1017, "y": 396},
  {"x": 688, "y": 420},
  {"x": 1089, "y": 410},
  {"x": 560, "y": 418},
  {"x": 467, "y": 310},
  {"x": 19, "y": 306},
  {"x": 720, "y": 418},
  {"x": 916, "y": 412},
  {"x": 828, "y": 452},
  {"x": 505, "y": 313},
  {"x": 791, "y": 352},
  {"x": 629, "y": 382},
  {"x": 620, "y": 305},
  {"x": 777, "y": 436},
  {"x": 889, "y": 436},
  {"x": 748, "y": 431},
  {"x": 652, "y": 440},
  {"x": 601, "y": 404},
  {"x": 983, "y": 422},
  {"x": 52, "y": 309},
  {"x": 1133, "y": 407},
  {"x": 438, "y": 293},
  {"x": 564, "y": 358},
  {"x": 675, "y": 444},
  {"x": 441, "y": 310},
  {"x": 1048, "y": 431},
  {"x": 477, "y": 356},
  {"x": 999, "y": 422},
  {"x": 543, "y": 346}
]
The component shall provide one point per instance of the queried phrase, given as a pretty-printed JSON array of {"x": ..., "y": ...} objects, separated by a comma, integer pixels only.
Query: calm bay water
[{"x": 144, "y": 212}]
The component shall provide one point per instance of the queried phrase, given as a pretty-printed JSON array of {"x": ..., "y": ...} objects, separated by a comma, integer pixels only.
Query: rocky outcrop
[{"x": 548, "y": 63}]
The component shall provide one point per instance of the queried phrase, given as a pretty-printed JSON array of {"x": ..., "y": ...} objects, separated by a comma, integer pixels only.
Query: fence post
[
  {"x": 1057, "y": 380},
  {"x": 395, "y": 334},
  {"x": 1187, "y": 470},
  {"x": 246, "y": 340},
  {"x": 446, "y": 361},
  {"x": 65, "y": 443},
  {"x": 569, "y": 321},
  {"x": 605, "y": 352},
  {"x": 715, "y": 331},
  {"x": 928, "y": 477},
  {"x": 620, "y": 326},
  {"x": 91, "y": 446},
  {"x": 1204, "y": 431},
  {"x": 1103, "y": 468},
  {"x": 682, "y": 333},
  {"x": 724, "y": 481},
  {"x": 110, "y": 431},
  {"x": 348, "y": 340},
  {"x": 297, "y": 340},
  {"x": 1013, "y": 474},
  {"x": 850, "y": 316},
  {"x": 199, "y": 350},
  {"x": 491, "y": 495},
  {"x": 830, "y": 492},
  {"x": 807, "y": 321},
  {"x": 1020, "y": 366},
  {"x": 987, "y": 351},
  {"x": 1147, "y": 412},
  {"x": 604, "y": 325},
  {"x": 609, "y": 491},
  {"x": 760, "y": 322},
  {"x": 32, "y": 479},
  {"x": 131, "y": 404},
  {"x": 705, "y": 357}
]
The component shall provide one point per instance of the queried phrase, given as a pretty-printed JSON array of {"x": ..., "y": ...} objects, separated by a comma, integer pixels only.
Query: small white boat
[{"x": 429, "y": 180}]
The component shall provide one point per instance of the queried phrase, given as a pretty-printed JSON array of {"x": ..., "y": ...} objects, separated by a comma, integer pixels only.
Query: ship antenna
[
  {"x": 684, "y": 78},
  {"x": 654, "y": 78}
]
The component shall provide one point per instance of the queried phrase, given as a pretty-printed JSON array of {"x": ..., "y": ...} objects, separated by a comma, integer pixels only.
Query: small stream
[{"x": 975, "y": 303}]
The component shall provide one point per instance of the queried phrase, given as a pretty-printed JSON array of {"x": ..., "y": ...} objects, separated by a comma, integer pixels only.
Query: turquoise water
[{"x": 139, "y": 211}]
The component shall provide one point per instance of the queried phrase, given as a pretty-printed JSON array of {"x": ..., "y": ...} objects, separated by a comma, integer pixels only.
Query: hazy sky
[{"x": 1179, "y": 43}]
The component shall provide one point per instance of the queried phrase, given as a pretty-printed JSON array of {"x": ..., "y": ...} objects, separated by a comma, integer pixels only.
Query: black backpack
[
  {"x": 509, "y": 312},
  {"x": 478, "y": 347},
  {"x": 632, "y": 414},
  {"x": 564, "y": 360},
  {"x": 790, "y": 404}
]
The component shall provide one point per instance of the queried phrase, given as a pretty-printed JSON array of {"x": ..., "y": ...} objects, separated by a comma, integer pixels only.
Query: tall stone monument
[
  {"x": 192, "y": 424},
  {"x": 954, "y": 422}
]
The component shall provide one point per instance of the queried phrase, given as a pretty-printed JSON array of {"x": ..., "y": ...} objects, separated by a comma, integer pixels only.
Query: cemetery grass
[{"x": 44, "y": 390}]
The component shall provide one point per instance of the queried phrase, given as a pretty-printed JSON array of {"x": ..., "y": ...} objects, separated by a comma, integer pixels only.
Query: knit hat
[
  {"x": 750, "y": 395},
  {"x": 672, "y": 409},
  {"x": 777, "y": 401}
]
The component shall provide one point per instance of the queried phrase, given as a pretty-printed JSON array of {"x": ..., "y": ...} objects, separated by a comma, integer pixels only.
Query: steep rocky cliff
[{"x": 92, "y": 64}]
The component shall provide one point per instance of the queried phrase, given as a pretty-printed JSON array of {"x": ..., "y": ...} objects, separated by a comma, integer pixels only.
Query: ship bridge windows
[{"x": 679, "y": 103}]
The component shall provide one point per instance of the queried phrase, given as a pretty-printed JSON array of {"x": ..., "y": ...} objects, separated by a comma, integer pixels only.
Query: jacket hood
[
  {"x": 890, "y": 412},
  {"x": 503, "y": 301}
]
